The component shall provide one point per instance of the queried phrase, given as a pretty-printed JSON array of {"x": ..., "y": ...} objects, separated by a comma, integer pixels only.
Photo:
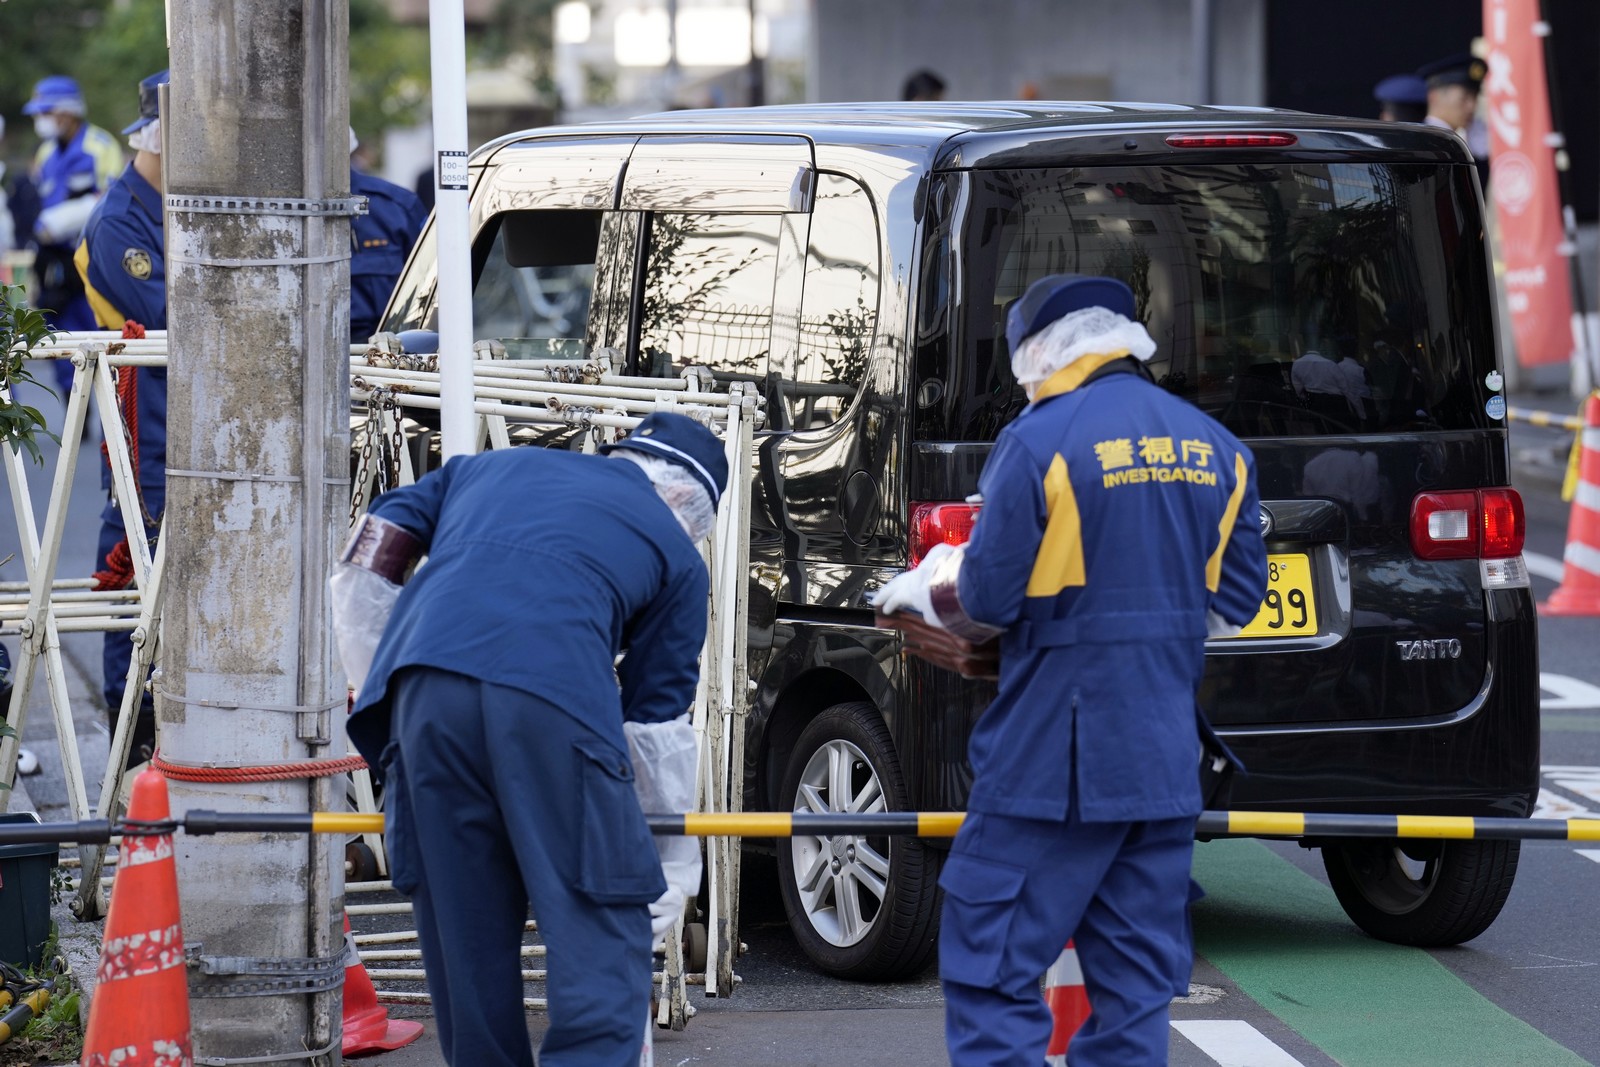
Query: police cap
[
  {"x": 1461, "y": 69},
  {"x": 1401, "y": 89},
  {"x": 55, "y": 93},
  {"x": 684, "y": 442},
  {"x": 149, "y": 101},
  {"x": 1055, "y": 295}
]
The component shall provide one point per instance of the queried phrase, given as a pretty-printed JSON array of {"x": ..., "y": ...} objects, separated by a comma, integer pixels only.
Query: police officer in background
[
  {"x": 74, "y": 164},
  {"x": 380, "y": 242},
  {"x": 122, "y": 263},
  {"x": 1119, "y": 530},
  {"x": 1453, "y": 85},
  {"x": 507, "y": 749},
  {"x": 1401, "y": 98}
]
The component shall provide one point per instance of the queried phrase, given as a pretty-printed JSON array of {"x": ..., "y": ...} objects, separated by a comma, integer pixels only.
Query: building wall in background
[{"x": 1066, "y": 49}]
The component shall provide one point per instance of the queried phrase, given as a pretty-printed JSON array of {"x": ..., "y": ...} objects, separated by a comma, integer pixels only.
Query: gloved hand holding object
[
  {"x": 666, "y": 767},
  {"x": 908, "y": 591},
  {"x": 363, "y": 589}
]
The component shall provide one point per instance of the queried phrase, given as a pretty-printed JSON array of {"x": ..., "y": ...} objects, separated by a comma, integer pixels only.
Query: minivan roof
[{"x": 1021, "y": 133}]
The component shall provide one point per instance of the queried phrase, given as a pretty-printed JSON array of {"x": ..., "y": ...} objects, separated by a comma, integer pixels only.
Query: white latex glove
[
  {"x": 360, "y": 603},
  {"x": 666, "y": 769},
  {"x": 1217, "y": 626},
  {"x": 909, "y": 591}
]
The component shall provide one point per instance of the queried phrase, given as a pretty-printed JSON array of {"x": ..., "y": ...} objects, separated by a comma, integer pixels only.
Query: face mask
[{"x": 46, "y": 127}]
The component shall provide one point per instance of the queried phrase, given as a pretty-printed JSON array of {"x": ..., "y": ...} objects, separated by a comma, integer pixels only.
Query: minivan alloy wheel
[
  {"x": 842, "y": 880},
  {"x": 860, "y": 906}
]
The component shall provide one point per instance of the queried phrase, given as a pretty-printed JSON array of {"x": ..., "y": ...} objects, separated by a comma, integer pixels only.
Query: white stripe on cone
[
  {"x": 1583, "y": 557},
  {"x": 1064, "y": 993}
]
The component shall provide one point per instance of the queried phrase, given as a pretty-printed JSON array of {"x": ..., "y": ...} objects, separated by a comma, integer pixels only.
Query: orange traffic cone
[
  {"x": 1579, "y": 592},
  {"x": 1069, "y": 1003},
  {"x": 367, "y": 1026},
  {"x": 140, "y": 1013}
]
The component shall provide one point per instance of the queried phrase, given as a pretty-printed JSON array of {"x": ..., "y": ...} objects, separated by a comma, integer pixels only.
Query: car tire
[
  {"x": 889, "y": 927},
  {"x": 1424, "y": 893}
]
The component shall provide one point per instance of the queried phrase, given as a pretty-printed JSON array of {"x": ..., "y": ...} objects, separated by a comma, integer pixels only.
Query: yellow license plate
[{"x": 1290, "y": 607}]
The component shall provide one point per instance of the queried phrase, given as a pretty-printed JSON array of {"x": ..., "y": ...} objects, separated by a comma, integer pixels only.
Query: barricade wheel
[
  {"x": 360, "y": 864},
  {"x": 860, "y": 907},
  {"x": 1426, "y": 893}
]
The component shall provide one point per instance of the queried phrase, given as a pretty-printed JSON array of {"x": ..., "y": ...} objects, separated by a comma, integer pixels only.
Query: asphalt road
[{"x": 1282, "y": 977}]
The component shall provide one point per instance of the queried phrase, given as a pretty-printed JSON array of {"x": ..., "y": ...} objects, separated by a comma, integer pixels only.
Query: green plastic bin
[{"x": 24, "y": 896}]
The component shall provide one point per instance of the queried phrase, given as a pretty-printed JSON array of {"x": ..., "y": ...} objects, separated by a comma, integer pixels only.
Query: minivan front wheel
[
  {"x": 1425, "y": 893},
  {"x": 860, "y": 906}
]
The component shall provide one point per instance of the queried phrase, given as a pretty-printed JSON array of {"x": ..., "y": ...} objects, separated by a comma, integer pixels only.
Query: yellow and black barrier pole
[{"x": 909, "y": 823}]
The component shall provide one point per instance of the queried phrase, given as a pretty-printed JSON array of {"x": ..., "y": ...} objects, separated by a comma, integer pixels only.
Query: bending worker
[
  {"x": 123, "y": 267},
  {"x": 1119, "y": 529},
  {"x": 495, "y": 715}
]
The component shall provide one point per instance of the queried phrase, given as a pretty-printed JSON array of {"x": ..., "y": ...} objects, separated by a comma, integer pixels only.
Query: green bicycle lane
[{"x": 1280, "y": 936}]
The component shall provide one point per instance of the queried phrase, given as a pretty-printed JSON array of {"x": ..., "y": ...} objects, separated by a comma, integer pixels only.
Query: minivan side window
[
  {"x": 839, "y": 311},
  {"x": 707, "y": 294},
  {"x": 535, "y": 282}
]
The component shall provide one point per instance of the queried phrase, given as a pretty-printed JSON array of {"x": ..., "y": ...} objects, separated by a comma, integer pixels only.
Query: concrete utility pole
[{"x": 258, "y": 471}]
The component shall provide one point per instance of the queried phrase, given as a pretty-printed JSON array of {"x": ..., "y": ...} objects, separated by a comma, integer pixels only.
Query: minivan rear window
[{"x": 1286, "y": 299}]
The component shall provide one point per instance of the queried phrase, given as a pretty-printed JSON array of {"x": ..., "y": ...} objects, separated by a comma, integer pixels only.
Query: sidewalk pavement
[{"x": 725, "y": 1036}]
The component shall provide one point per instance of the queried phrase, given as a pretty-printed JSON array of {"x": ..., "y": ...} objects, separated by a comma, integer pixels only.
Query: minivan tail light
[
  {"x": 1468, "y": 524},
  {"x": 1231, "y": 140},
  {"x": 940, "y": 523}
]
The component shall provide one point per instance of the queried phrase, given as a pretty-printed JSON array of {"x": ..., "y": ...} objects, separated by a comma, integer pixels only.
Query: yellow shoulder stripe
[
  {"x": 1060, "y": 560},
  {"x": 1225, "y": 528},
  {"x": 105, "y": 313}
]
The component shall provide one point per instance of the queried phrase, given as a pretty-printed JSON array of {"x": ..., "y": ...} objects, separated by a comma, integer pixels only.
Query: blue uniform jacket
[
  {"x": 123, "y": 264},
  {"x": 83, "y": 166},
  {"x": 381, "y": 239},
  {"x": 1114, "y": 516},
  {"x": 542, "y": 566}
]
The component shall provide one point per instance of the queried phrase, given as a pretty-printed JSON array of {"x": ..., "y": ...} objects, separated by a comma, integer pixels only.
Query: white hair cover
[
  {"x": 679, "y": 490},
  {"x": 1086, "y": 332}
]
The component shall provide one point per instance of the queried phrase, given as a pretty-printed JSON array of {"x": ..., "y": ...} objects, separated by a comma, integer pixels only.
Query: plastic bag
[
  {"x": 360, "y": 602},
  {"x": 666, "y": 769}
]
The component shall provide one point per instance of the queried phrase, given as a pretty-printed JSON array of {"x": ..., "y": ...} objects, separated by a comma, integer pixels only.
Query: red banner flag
[{"x": 1522, "y": 182}]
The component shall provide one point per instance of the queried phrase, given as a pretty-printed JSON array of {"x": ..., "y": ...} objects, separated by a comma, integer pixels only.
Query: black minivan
[{"x": 1320, "y": 285}]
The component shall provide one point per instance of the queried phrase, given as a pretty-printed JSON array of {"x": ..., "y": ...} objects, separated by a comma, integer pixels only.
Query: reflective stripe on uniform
[
  {"x": 1241, "y": 473},
  {"x": 1060, "y": 560}
]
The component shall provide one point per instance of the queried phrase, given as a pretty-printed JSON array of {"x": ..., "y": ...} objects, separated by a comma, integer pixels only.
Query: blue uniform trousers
[
  {"x": 495, "y": 799},
  {"x": 1017, "y": 889}
]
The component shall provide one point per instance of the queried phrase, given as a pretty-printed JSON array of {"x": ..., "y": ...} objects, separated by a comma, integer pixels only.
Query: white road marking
[
  {"x": 1584, "y": 781},
  {"x": 1571, "y": 694},
  {"x": 1562, "y": 963},
  {"x": 1544, "y": 566},
  {"x": 1553, "y": 805},
  {"x": 1234, "y": 1043},
  {"x": 1591, "y": 853}
]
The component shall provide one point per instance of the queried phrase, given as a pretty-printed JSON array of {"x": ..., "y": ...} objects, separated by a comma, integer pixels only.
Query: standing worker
[
  {"x": 75, "y": 163},
  {"x": 493, "y": 711},
  {"x": 122, "y": 264},
  {"x": 1118, "y": 530},
  {"x": 380, "y": 242},
  {"x": 1401, "y": 98}
]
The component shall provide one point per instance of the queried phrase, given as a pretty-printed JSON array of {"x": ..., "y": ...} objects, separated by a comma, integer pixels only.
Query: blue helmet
[
  {"x": 1055, "y": 295},
  {"x": 1401, "y": 89},
  {"x": 149, "y": 101},
  {"x": 55, "y": 93}
]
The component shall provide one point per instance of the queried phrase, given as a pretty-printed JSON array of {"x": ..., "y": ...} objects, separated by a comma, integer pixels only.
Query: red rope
[
  {"x": 267, "y": 772},
  {"x": 119, "y": 568}
]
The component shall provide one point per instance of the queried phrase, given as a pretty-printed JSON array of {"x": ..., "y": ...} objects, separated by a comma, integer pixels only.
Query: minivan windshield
[{"x": 1285, "y": 299}]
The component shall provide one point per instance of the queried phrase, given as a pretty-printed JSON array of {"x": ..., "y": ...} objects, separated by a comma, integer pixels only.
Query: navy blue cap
[
  {"x": 55, "y": 93},
  {"x": 1401, "y": 89},
  {"x": 683, "y": 441},
  {"x": 1055, "y": 295},
  {"x": 149, "y": 101},
  {"x": 1463, "y": 68}
]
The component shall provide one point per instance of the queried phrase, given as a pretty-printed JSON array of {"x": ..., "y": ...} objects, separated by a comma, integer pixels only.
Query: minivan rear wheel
[
  {"x": 861, "y": 907},
  {"x": 1425, "y": 893}
]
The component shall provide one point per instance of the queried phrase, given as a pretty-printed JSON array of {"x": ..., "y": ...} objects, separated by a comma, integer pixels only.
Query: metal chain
[
  {"x": 358, "y": 491},
  {"x": 397, "y": 440}
]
